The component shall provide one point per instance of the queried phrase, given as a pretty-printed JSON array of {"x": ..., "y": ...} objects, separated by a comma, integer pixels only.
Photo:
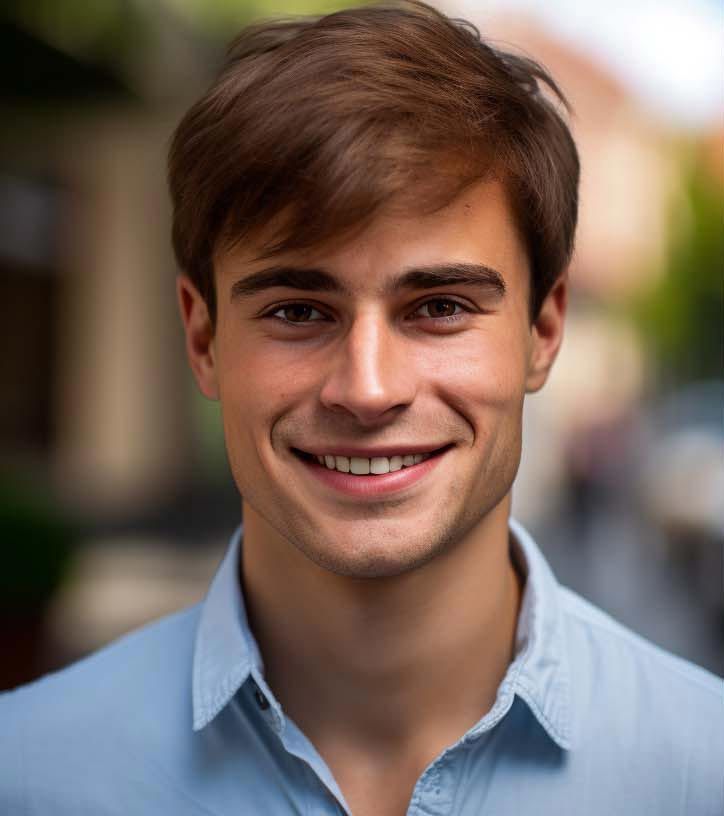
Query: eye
[
  {"x": 295, "y": 313},
  {"x": 440, "y": 308}
]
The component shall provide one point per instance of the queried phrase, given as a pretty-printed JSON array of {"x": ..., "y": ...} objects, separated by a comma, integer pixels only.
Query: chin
[
  {"x": 377, "y": 551},
  {"x": 369, "y": 564}
]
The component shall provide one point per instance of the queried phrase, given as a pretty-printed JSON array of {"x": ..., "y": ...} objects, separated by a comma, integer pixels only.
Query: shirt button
[{"x": 261, "y": 700}]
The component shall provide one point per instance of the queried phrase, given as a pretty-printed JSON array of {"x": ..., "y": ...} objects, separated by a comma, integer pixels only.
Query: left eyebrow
[{"x": 449, "y": 274}]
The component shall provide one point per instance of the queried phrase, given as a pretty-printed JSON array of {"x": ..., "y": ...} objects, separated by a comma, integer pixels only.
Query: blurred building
[{"x": 100, "y": 405}]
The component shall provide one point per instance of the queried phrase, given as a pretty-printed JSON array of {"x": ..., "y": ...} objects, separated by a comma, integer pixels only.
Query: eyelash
[{"x": 445, "y": 319}]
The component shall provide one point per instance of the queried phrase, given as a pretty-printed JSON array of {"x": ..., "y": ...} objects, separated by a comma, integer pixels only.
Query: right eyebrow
[{"x": 288, "y": 277}]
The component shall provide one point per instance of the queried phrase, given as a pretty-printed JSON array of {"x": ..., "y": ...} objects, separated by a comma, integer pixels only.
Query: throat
[
  {"x": 384, "y": 675},
  {"x": 370, "y": 661}
]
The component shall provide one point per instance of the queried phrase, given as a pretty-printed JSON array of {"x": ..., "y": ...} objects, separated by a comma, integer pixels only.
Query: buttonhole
[{"x": 261, "y": 700}]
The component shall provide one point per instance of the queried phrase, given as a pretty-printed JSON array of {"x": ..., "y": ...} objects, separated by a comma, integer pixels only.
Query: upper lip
[{"x": 372, "y": 452}]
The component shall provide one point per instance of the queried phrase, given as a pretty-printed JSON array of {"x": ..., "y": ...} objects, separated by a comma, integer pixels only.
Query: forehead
[{"x": 478, "y": 227}]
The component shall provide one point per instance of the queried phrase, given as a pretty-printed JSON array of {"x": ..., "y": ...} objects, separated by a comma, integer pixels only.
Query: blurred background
[{"x": 115, "y": 498}]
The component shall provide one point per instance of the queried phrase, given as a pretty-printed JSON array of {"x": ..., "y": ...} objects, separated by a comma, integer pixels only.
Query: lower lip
[{"x": 372, "y": 486}]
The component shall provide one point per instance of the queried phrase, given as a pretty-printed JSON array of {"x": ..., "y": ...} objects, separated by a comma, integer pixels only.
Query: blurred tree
[
  {"x": 40, "y": 541},
  {"x": 221, "y": 18},
  {"x": 33, "y": 71},
  {"x": 68, "y": 49},
  {"x": 38, "y": 547},
  {"x": 51, "y": 51},
  {"x": 682, "y": 319}
]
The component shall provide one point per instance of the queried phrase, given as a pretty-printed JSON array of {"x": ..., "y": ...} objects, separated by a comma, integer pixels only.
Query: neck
[{"x": 375, "y": 657}]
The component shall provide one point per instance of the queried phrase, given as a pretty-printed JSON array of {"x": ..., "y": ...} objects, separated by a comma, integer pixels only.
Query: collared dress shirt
[{"x": 177, "y": 718}]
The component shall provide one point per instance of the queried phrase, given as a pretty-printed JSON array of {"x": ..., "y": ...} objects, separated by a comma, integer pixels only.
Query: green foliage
[
  {"x": 37, "y": 545},
  {"x": 78, "y": 49},
  {"x": 222, "y": 17},
  {"x": 682, "y": 319},
  {"x": 100, "y": 30}
]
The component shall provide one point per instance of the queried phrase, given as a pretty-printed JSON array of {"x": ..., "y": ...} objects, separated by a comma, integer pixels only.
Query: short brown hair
[{"x": 326, "y": 120}]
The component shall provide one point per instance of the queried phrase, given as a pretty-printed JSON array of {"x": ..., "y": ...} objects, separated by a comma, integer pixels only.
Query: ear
[
  {"x": 199, "y": 332},
  {"x": 547, "y": 334}
]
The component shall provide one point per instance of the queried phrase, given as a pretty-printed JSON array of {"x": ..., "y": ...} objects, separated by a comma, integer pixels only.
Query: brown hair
[{"x": 325, "y": 120}]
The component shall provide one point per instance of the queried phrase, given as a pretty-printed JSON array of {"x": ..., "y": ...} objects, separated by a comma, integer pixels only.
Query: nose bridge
[{"x": 369, "y": 375}]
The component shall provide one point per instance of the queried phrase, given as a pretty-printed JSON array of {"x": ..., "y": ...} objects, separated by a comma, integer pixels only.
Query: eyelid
[
  {"x": 465, "y": 305},
  {"x": 271, "y": 310}
]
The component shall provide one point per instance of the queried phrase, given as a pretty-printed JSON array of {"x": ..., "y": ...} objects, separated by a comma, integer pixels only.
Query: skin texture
[{"x": 365, "y": 607}]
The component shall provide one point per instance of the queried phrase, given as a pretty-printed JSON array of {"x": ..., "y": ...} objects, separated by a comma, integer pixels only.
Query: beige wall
[{"x": 123, "y": 433}]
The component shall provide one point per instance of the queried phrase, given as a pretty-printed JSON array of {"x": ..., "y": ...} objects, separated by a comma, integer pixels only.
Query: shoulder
[
  {"x": 595, "y": 631},
  {"x": 135, "y": 664},
  {"x": 654, "y": 714},
  {"x": 99, "y": 716}
]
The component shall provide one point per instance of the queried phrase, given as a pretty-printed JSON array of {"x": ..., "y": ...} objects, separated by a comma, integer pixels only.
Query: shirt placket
[
  {"x": 324, "y": 797},
  {"x": 434, "y": 792}
]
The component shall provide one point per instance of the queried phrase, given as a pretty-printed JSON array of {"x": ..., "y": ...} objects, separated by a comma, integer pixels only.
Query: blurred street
[{"x": 622, "y": 565}]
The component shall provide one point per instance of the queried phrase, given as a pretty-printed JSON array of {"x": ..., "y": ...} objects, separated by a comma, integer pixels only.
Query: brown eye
[
  {"x": 298, "y": 313},
  {"x": 441, "y": 308}
]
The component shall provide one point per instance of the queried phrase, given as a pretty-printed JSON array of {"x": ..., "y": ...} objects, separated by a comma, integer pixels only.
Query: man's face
[{"x": 412, "y": 338}]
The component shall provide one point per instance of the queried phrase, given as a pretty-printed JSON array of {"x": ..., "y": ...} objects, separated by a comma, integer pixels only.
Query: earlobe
[
  {"x": 199, "y": 332},
  {"x": 547, "y": 335}
]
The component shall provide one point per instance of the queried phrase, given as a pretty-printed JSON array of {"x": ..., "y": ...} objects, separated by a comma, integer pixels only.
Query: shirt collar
[
  {"x": 225, "y": 650},
  {"x": 540, "y": 672},
  {"x": 226, "y": 653}
]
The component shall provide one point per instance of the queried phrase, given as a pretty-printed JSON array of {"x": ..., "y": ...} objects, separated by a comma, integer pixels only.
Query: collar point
[
  {"x": 200, "y": 723},
  {"x": 562, "y": 739}
]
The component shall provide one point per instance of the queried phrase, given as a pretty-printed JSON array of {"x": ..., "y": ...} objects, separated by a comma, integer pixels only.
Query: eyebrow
[
  {"x": 452, "y": 274},
  {"x": 287, "y": 277},
  {"x": 420, "y": 278}
]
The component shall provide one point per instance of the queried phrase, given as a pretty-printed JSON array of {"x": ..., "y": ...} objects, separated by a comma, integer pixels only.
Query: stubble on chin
[{"x": 377, "y": 545}]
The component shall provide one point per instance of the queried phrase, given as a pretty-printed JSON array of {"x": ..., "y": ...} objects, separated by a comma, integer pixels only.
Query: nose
[{"x": 370, "y": 376}]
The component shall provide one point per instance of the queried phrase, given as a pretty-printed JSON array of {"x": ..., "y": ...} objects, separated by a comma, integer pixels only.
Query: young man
[{"x": 373, "y": 213}]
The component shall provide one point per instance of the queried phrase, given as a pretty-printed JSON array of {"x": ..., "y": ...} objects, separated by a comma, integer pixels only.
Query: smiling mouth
[{"x": 364, "y": 466}]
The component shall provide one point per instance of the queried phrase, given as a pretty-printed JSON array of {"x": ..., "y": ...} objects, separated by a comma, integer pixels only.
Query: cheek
[
  {"x": 256, "y": 380},
  {"x": 256, "y": 389},
  {"x": 242, "y": 382},
  {"x": 485, "y": 373}
]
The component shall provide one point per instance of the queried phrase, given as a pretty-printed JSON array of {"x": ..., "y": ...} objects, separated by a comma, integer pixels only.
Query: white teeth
[
  {"x": 377, "y": 465},
  {"x": 359, "y": 466}
]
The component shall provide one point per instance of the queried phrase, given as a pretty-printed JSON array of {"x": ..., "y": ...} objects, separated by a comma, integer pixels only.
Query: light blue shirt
[{"x": 177, "y": 719}]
